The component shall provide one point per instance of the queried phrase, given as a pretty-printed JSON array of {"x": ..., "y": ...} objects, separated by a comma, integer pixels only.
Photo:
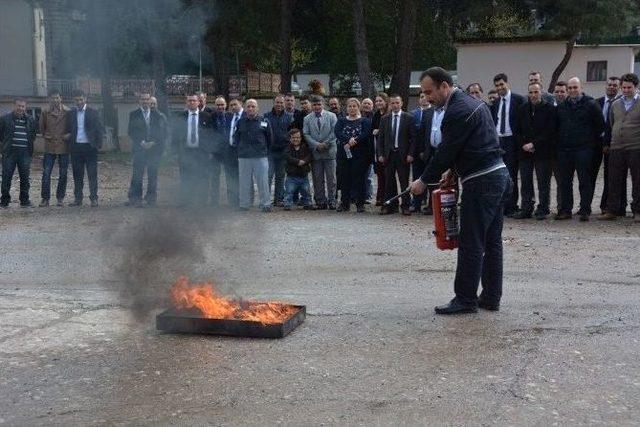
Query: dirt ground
[{"x": 79, "y": 289}]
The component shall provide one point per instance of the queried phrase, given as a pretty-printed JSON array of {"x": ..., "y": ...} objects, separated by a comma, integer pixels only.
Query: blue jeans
[
  {"x": 480, "y": 239},
  {"x": 248, "y": 168},
  {"x": 294, "y": 185},
  {"x": 15, "y": 158},
  {"x": 277, "y": 166},
  {"x": 48, "y": 161},
  {"x": 580, "y": 162}
]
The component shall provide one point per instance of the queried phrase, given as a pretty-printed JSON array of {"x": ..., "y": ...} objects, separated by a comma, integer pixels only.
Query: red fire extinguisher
[{"x": 444, "y": 202}]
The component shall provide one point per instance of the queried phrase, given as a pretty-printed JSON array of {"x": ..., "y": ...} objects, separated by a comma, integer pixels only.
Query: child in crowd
[{"x": 298, "y": 165}]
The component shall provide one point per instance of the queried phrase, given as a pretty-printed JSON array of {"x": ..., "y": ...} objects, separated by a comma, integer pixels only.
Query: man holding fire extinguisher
[{"x": 469, "y": 149}]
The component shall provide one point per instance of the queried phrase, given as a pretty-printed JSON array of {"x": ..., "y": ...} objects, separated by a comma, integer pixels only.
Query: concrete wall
[
  {"x": 480, "y": 62},
  {"x": 16, "y": 48}
]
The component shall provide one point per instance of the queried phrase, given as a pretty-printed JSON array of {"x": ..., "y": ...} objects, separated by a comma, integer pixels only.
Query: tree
[
  {"x": 401, "y": 78},
  {"x": 362, "y": 54},
  {"x": 286, "y": 12},
  {"x": 583, "y": 19}
]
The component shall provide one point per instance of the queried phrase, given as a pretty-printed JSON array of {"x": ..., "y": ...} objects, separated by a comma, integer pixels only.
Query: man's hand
[
  {"x": 605, "y": 149},
  {"x": 529, "y": 148},
  {"x": 418, "y": 187},
  {"x": 321, "y": 146},
  {"x": 376, "y": 132},
  {"x": 409, "y": 159},
  {"x": 381, "y": 159},
  {"x": 301, "y": 162},
  {"x": 448, "y": 179}
]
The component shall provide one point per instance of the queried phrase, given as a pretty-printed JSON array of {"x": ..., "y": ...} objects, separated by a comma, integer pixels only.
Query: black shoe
[
  {"x": 4, "y": 205},
  {"x": 44, "y": 203},
  {"x": 309, "y": 208},
  {"x": 561, "y": 216},
  {"x": 26, "y": 204},
  {"x": 584, "y": 217},
  {"x": 344, "y": 207},
  {"x": 491, "y": 306},
  {"x": 332, "y": 207},
  {"x": 455, "y": 307},
  {"x": 360, "y": 208},
  {"x": 405, "y": 211},
  {"x": 241, "y": 209},
  {"x": 509, "y": 213},
  {"x": 60, "y": 203},
  {"x": 522, "y": 215},
  {"x": 287, "y": 207},
  {"x": 387, "y": 210},
  {"x": 266, "y": 209},
  {"x": 76, "y": 203},
  {"x": 94, "y": 203},
  {"x": 427, "y": 211},
  {"x": 151, "y": 203},
  {"x": 321, "y": 207}
]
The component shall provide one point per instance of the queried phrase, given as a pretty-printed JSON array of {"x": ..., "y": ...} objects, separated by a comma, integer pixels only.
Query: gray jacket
[{"x": 325, "y": 133}]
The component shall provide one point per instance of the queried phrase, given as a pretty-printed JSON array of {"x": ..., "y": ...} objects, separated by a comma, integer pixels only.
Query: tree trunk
[
  {"x": 157, "y": 59},
  {"x": 286, "y": 11},
  {"x": 563, "y": 64},
  {"x": 404, "y": 50},
  {"x": 362, "y": 53}
]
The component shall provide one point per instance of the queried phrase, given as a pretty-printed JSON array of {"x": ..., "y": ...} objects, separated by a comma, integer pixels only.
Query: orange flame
[{"x": 214, "y": 306}]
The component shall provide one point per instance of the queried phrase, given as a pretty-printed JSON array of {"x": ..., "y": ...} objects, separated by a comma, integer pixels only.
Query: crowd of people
[{"x": 343, "y": 148}]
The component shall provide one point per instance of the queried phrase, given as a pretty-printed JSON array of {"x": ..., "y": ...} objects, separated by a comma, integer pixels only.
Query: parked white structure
[{"x": 480, "y": 61}]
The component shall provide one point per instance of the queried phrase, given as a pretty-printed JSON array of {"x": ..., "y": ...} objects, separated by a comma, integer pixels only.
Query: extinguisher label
[
  {"x": 448, "y": 198},
  {"x": 450, "y": 216}
]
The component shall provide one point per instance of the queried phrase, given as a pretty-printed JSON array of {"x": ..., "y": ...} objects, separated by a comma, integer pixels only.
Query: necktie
[
  {"x": 192, "y": 137},
  {"x": 318, "y": 118},
  {"x": 233, "y": 128},
  {"x": 606, "y": 111},
  {"x": 503, "y": 116},
  {"x": 394, "y": 129}
]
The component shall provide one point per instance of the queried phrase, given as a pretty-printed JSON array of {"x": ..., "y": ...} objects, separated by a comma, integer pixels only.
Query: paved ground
[{"x": 78, "y": 345}]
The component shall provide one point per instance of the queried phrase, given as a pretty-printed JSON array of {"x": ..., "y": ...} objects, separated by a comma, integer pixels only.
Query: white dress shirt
[
  {"x": 436, "y": 122},
  {"x": 234, "y": 122},
  {"x": 507, "y": 104},
  {"x": 629, "y": 103},
  {"x": 81, "y": 136},
  {"x": 395, "y": 137},
  {"x": 190, "y": 130}
]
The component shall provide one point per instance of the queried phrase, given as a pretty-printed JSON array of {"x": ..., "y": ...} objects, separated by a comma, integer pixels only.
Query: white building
[{"x": 479, "y": 61}]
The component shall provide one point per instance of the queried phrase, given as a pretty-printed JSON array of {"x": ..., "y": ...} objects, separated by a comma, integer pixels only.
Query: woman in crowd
[
  {"x": 355, "y": 154},
  {"x": 382, "y": 106}
]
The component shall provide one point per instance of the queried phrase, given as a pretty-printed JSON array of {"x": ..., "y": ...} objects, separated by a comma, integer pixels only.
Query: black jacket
[
  {"x": 517, "y": 101},
  {"x": 293, "y": 156},
  {"x": 580, "y": 125},
  {"x": 180, "y": 127},
  {"x": 221, "y": 123},
  {"x": 92, "y": 126},
  {"x": 536, "y": 124},
  {"x": 280, "y": 124},
  {"x": 156, "y": 132},
  {"x": 7, "y": 127},
  {"x": 407, "y": 135},
  {"x": 363, "y": 149},
  {"x": 606, "y": 140},
  {"x": 469, "y": 139},
  {"x": 253, "y": 137}
]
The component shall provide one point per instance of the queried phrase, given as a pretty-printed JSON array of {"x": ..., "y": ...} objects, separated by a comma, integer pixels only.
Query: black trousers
[
  {"x": 145, "y": 160},
  {"x": 417, "y": 167},
  {"x": 16, "y": 158},
  {"x": 542, "y": 167},
  {"x": 622, "y": 208},
  {"x": 621, "y": 162},
  {"x": 84, "y": 157},
  {"x": 510, "y": 158},
  {"x": 395, "y": 165},
  {"x": 351, "y": 176},
  {"x": 194, "y": 167},
  {"x": 577, "y": 162}
]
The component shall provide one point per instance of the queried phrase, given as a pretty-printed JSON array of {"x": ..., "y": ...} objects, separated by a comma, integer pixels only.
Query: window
[{"x": 597, "y": 71}]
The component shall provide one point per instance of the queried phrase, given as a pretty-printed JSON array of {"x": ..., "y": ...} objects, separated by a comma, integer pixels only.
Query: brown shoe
[
  {"x": 607, "y": 216},
  {"x": 406, "y": 211}
]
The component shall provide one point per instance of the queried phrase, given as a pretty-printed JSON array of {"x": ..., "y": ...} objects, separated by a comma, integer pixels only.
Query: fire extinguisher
[{"x": 445, "y": 217}]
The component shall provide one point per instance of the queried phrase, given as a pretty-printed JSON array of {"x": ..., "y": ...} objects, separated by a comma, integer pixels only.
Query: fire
[{"x": 214, "y": 306}]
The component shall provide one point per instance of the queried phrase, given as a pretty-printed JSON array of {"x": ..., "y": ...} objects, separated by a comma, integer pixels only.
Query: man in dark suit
[
  {"x": 148, "y": 134},
  {"x": 424, "y": 149},
  {"x": 396, "y": 145},
  {"x": 504, "y": 112},
  {"x": 222, "y": 125},
  {"x": 84, "y": 137},
  {"x": 202, "y": 103},
  {"x": 191, "y": 140},
  {"x": 611, "y": 94}
]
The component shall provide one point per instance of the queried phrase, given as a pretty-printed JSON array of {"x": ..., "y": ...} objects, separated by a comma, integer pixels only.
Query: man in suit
[
  {"x": 148, "y": 134},
  {"x": 202, "y": 103},
  {"x": 504, "y": 112},
  {"x": 221, "y": 144},
  {"x": 319, "y": 134},
  {"x": 422, "y": 115},
  {"x": 536, "y": 77},
  {"x": 17, "y": 133},
  {"x": 191, "y": 140},
  {"x": 611, "y": 94},
  {"x": 536, "y": 132},
  {"x": 469, "y": 145},
  {"x": 84, "y": 137},
  {"x": 396, "y": 148}
]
